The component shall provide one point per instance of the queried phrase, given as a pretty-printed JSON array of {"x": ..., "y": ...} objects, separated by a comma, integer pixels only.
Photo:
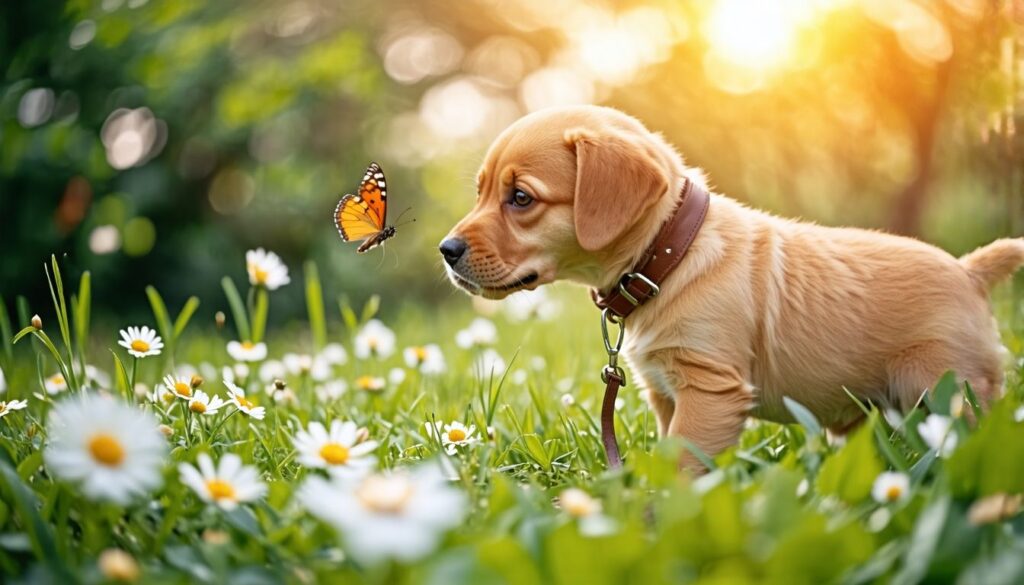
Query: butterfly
[{"x": 364, "y": 216}]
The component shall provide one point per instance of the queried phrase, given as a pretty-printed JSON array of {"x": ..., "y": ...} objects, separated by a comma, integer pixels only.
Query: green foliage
[{"x": 850, "y": 473}]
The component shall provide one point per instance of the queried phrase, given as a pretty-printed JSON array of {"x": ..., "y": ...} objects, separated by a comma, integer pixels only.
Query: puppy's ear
[{"x": 617, "y": 180}]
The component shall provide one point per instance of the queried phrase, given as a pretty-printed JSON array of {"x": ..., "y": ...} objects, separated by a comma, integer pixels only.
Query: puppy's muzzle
[{"x": 452, "y": 249}]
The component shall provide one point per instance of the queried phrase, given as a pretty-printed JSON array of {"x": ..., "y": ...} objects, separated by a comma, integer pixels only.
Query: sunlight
[{"x": 758, "y": 35}]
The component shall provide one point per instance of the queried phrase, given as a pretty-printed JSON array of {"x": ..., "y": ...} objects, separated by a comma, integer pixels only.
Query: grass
[{"x": 786, "y": 505}]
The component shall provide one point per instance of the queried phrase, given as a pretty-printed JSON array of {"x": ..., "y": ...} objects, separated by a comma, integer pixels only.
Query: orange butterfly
[{"x": 363, "y": 216}]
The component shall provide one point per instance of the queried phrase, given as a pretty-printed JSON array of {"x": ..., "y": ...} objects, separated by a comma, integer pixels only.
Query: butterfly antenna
[{"x": 400, "y": 215}]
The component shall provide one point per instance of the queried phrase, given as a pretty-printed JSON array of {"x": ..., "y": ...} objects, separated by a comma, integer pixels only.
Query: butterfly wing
[
  {"x": 355, "y": 219},
  {"x": 373, "y": 191}
]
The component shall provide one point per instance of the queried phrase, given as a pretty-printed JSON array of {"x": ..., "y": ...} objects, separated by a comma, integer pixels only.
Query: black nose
[{"x": 452, "y": 249}]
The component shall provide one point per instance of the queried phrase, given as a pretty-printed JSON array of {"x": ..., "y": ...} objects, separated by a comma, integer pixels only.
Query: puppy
[{"x": 760, "y": 308}]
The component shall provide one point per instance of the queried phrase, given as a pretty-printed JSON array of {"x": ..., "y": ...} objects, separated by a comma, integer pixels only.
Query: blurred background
[{"x": 153, "y": 142}]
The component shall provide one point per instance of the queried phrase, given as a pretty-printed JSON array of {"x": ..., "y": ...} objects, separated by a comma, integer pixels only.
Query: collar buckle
[{"x": 630, "y": 278}]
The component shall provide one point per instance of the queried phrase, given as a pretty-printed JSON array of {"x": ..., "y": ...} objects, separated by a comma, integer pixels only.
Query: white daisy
[
  {"x": 531, "y": 304},
  {"x": 316, "y": 368},
  {"x": 579, "y": 505},
  {"x": 568, "y": 400},
  {"x": 890, "y": 486},
  {"x": 96, "y": 377},
  {"x": 247, "y": 351},
  {"x": 237, "y": 373},
  {"x": 180, "y": 387},
  {"x": 337, "y": 450},
  {"x": 3, "y": 382},
  {"x": 226, "y": 485},
  {"x": 115, "y": 451},
  {"x": 266, "y": 269},
  {"x": 55, "y": 384},
  {"x": 271, "y": 370},
  {"x": 334, "y": 354},
  {"x": 453, "y": 435},
  {"x": 161, "y": 395},
  {"x": 488, "y": 364},
  {"x": 203, "y": 404},
  {"x": 331, "y": 391},
  {"x": 370, "y": 383},
  {"x": 428, "y": 359},
  {"x": 937, "y": 431},
  {"x": 396, "y": 376},
  {"x": 400, "y": 515},
  {"x": 1018, "y": 415},
  {"x": 243, "y": 404},
  {"x": 10, "y": 406},
  {"x": 480, "y": 332},
  {"x": 285, "y": 397},
  {"x": 141, "y": 342},
  {"x": 374, "y": 339}
]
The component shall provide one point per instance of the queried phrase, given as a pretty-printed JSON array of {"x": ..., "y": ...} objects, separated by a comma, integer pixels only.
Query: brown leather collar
[
  {"x": 637, "y": 287},
  {"x": 670, "y": 245}
]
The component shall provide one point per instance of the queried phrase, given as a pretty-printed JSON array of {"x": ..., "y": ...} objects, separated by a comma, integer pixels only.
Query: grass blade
[
  {"x": 237, "y": 308},
  {"x": 27, "y": 505},
  {"x": 315, "y": 306},
  {"x": 191, "y": 305},
  {"x": 259, "y": 314},
  {"x": 81, "y": 312}
]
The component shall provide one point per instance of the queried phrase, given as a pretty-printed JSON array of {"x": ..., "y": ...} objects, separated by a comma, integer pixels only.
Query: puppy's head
[{"x": 557, "y": 194}]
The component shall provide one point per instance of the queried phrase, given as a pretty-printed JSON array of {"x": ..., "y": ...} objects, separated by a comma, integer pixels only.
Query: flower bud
[
  {"x": 220, "y": 319},
  {"x": 37, "y": 323},
  {"x": 279, "y": 384},
  {"x": 362, "y": 434},
  {"x": 117, "y": 565},
  {"x": 166, "y": 430},
  {"x": 196, "y": 381}
]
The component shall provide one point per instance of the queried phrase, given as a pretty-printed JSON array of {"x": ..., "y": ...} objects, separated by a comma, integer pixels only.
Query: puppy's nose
[{"x": 452, "y": 249}]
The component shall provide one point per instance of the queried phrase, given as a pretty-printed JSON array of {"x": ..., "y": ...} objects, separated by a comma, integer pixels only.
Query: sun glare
[{"x": 752, "y": 33}]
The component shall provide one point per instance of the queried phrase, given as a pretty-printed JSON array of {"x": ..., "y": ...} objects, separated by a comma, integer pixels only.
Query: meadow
[{"x": 453, "y": 448}]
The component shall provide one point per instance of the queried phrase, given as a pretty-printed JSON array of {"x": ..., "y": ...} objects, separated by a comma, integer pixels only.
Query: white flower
[
  {"x": 272, "y": 370},
  {"x": 142, "y": 342},
  {"x": 400, "y": 515},
  {"x": 396, "y": 376},
  {"x": 10, "y": 406},
  {"x": 370, "y": 383},
  {"x": 531, "y": 304},
  {"x": 237, "y": 396},
  {"x": 488, "y": 365},
  {"x": 266, "y": 269},
  {"x": 226, "y": 485},
  {"x": 236, "y": 373},
  {"x": 55, "y": 384},
  {"x": 891, "y": 486},
  {"x": 937, "y": 431},
  {"x": 1018, "y": 415},
  {"x": 428, "y": 359},
  {"x": 286, "y": 396},
  {"x": 203, "y": 404},
  {"x": 453, "y": 435},
  {"x": 579, "y": 505},
  {"x": 97, "y": 376},
  {"x": 519, "y": 377},
  {"x": 337, "y": 450},
  {"x": 538, "y": 363},
  {"x": 247, "y": 351},
  {"x": 161, "y": 395},
  {"x": 480, "y": 332},
  {"x": 114, "y": 450},
  {"x": 374, "y": 339},
  {"x": 334, "y": 354},
  {"x": 302, "y": 364},
  {"x": 568, "y": 400},
  {"x": 332, "y": 390},
  {"x": 3, "y": 382},
  {"x": 180, "y": 387}
]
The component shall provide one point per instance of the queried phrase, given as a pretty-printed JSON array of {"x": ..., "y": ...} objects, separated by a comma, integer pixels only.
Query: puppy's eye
[{"x": 521, "y": 198}]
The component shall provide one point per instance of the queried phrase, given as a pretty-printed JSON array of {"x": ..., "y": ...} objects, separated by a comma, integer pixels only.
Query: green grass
[{"x": 785, "y": 506}]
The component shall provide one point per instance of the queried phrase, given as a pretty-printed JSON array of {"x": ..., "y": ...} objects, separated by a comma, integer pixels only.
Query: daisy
[
  {"x": 890, "y": 487},
  {"x": 237, "y": 396},
  {"x": 396, "y": 376},
  {"x": 428, "y": 359},
  {"x": 488, "y": 364},
  {"x": 453, "y": 435},
  {"x": 334, "y": 354},
  {"x": 480, "y": 332},
  {"x": 10, "y": 406},
  {"x": 237, "y": 373},
  {"x": 55, "y": 384},
  {"x": 937, "y": 431},
  {"x": 203, "y": 404},
  {"x": 331, "y": 391},
  {"x": 370, "y": 383},
  {"x": 399, "y": 515},
  {"x": 531, "y": 304},
  {"x": 374, "y": 339},
  {"x": 579, "y": 505},
  {"x": 247, "y": 351},
  {"x": 113, "y": 450},
  {"x": 180, "y": 387},
  {"x": 266, "y": 269},
  {"x": 3, "y": 382},
  {"x": 272, "y": 370},
  {"x": 97, "y": 376},
  {"x": 142, "y": 342},
  {"x": 316, "y": 368},
  {"x": 226, "y": 485},
  {"x": 338, "y": 451}
]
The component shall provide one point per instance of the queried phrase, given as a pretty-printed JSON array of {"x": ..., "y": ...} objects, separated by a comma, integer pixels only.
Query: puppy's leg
[
  {"x": 919, "y": 367},
  {"x": 663, "y": 407},
  {"x": 710, "y": 407}
]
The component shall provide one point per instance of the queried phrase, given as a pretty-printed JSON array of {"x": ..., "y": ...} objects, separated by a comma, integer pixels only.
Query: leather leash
[{"x": 637, "y": 287}]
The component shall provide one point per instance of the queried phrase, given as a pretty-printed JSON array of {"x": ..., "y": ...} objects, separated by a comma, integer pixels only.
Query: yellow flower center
[
  {"x": 139, "y": 345},
  {"x": 372, "y": 342},
  {"x": 3, "y": 407},
  {"x": 258, "y": 274},
  {"x": 243, "y": 401},
  {"x": 56, "y": 379},
  {"x": 106, "y": 449},
  {"x": 167, "y": 397},
  {"x": 334, "y": 453},
  {"x": 196, "y": 406},
  {"x": 456, "y": 435},
  {"x": 387, "y": 495},
  {"x": 182, "y": 388},
  {"x": 220, "y": 490},
  {"x": 421, "y": 354},
  {"x": 365, "y": 382},
  {"x": 893, "y": 493},
  {"x": 247, "y": 345}
]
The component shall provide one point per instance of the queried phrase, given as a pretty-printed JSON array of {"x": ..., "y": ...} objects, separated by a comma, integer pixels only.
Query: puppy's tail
[{"x": 994, "y": 262}]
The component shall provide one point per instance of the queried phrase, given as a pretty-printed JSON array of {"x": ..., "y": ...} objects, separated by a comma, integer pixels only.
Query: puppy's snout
[{"x": 452, "y": 249}]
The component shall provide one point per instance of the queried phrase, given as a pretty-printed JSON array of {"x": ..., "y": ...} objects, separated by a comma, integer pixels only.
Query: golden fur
[{"x": 761, "y": 307}]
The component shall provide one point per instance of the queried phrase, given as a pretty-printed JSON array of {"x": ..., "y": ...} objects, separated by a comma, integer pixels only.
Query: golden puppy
[{"x": 761, "y": 307}]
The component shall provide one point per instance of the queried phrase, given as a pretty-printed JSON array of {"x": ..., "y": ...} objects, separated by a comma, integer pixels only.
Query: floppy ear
[{"x": 617, "y": 180}]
